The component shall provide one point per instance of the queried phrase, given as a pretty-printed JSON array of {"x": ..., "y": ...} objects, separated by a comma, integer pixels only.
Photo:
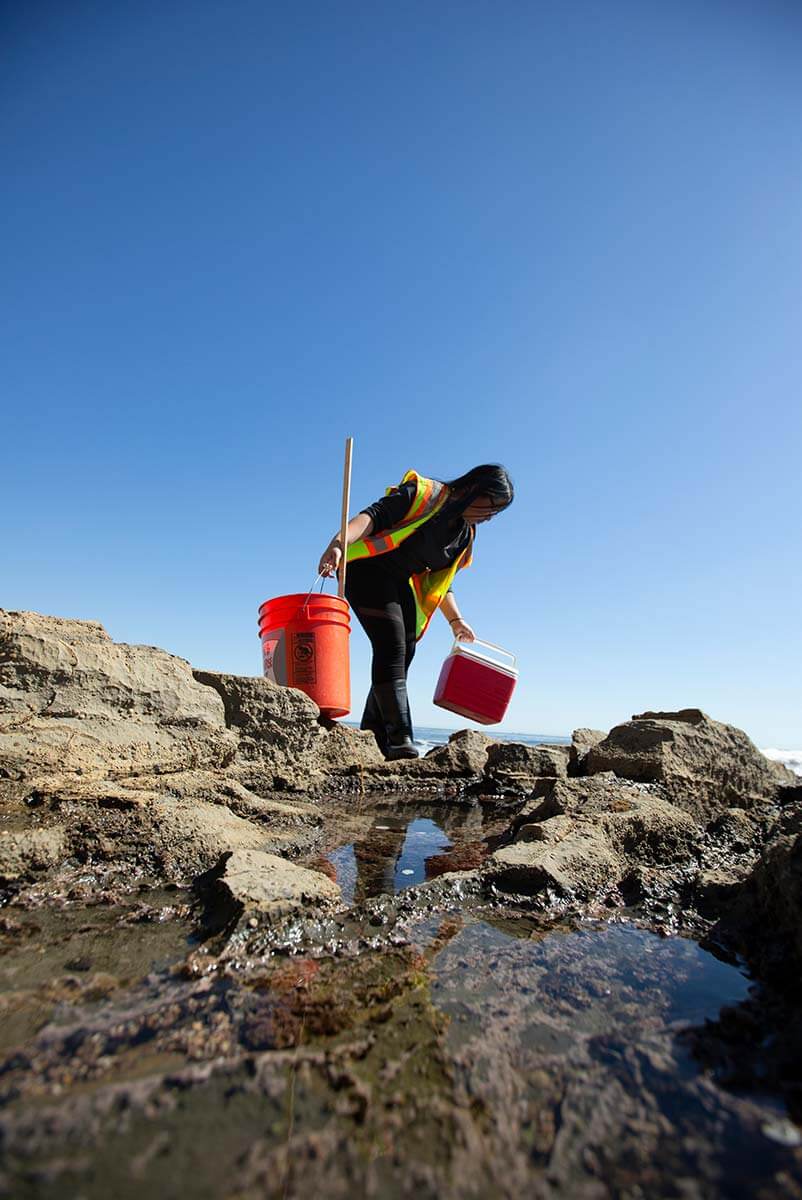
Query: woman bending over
[{"x": 403, "y": 553}]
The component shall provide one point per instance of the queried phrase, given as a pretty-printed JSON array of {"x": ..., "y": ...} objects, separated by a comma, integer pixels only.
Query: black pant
[{"x": 385, "y": 608}]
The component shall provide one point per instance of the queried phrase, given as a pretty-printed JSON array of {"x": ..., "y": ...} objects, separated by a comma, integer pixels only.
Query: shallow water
[
  {"x": 383, "y": 848},
  {"x": 54, "y": 957},
  {"x": 492, "y": 1056},
  {"x": 598, "y": 977},
  {"x": 393, "y": 854},
  {"x": 418, "y": 1046}
]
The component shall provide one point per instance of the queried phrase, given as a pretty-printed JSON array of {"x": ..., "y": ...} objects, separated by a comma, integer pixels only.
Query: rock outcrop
[
  {"x": 703, "y": 765},
  {"x": 125, "y": 756},
  {"x": 516, "y": 767},
  {"x": 75, "y": 703},
  {"x": 582, "y": 741},
  {"x": 281, "y": 741},
  {"x": 122, "y": 754},
  {"x": 586, "y": 856},
  {"x": 583, "y": 797},
  {"x": 464, "y": 754},
  {"x": 252, "y": 882},
  {"x": 768, "y": 913}
]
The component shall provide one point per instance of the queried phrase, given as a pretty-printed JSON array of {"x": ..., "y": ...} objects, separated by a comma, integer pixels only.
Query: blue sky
[{"x": 564, "y": 237}]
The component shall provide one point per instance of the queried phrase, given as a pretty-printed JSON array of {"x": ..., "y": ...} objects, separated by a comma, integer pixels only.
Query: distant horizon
[
  {"x": 488, "y": 729},
  {"x": 786, "y": 751}
]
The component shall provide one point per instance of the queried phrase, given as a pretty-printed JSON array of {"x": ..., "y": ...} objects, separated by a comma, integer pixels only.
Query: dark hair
[{"x": 489, "y": 480}]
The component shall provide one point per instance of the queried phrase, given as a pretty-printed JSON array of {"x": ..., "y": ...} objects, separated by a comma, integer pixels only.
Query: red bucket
[{"x": 305, "y": 645}]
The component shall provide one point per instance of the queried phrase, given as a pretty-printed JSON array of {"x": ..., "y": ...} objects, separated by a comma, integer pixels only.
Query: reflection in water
[
  {"x": 395, "y": 846},
  {"x": 423, "y": 840},
  {"x": 396, "y": 852}
]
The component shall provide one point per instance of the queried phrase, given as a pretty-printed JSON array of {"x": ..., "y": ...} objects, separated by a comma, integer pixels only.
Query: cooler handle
[{"x": 490, "y": 646}]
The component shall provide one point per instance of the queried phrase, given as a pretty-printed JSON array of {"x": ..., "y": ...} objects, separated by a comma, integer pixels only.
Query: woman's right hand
[{"x": 330, "y": 560}]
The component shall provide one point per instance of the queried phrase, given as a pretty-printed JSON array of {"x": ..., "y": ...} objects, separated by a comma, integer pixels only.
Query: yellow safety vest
[{"x": 428, "y": 587}]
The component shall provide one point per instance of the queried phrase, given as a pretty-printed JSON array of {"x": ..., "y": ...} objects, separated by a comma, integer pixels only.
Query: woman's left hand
[{"x": 462, "y": 631}]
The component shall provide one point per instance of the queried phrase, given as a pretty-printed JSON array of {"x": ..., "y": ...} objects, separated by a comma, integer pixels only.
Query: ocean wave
[
  {"x": 789, "y": 758},
  {"x": 423, "y": 747}
]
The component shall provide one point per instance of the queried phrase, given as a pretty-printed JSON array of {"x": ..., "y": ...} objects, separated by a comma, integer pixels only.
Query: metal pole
[{"x": 349, "y": 446}]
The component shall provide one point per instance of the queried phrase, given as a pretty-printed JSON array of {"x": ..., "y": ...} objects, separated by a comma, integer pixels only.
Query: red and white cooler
[{"x": 474, "y": 684}]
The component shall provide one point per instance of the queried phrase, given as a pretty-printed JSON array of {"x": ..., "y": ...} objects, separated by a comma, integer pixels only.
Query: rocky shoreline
[{"x": 187, "y": 822}]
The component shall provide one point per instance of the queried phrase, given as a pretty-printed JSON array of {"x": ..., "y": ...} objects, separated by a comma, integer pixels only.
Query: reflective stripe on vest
[{"x": 430, "y": 496}]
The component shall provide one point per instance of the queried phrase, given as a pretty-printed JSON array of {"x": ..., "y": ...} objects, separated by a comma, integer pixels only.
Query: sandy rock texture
[
  {"x": 514, "y": 766},
  {"x": 73, "y": 702},
  {"x": 23, "y": 852},
  {"x": 582, "y": 741},
  {"x": 255, "y": 882},
  {"x": 465, "y": 753},
  {"x": 281, "y": 742},
  {"x": 703, "y": 765},
  {"x": 587, "y": 855},
  {"x": 122, "y": 754}
]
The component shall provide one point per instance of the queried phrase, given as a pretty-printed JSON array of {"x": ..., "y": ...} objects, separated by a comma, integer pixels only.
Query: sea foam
[{"x": 789, "y": 758}]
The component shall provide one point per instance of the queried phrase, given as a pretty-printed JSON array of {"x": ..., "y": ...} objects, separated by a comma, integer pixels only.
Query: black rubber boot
[
  {"x": 373, "y": 720},
  {"x": 393, "y": 705}
]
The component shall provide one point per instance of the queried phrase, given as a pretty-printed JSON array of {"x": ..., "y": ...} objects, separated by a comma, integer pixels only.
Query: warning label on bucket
[
  {"x": 304, "y": 667},
  {"x": 273, "y": 659}
]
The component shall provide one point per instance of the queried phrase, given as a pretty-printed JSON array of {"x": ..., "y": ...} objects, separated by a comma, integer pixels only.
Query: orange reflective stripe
[
  {"x": 374, "y": 545},
  {"x": 421, "y": 500}
]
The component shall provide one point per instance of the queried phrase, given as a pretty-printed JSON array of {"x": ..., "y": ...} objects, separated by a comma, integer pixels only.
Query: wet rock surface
[
  {"x": 459, "y": 1051},
  {"x": 238, "y": 948}
]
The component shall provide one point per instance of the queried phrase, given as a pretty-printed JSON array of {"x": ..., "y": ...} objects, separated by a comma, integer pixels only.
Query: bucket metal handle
[
  {"x": 490, "y": 646},
  {"x": 321, "y": 579}
]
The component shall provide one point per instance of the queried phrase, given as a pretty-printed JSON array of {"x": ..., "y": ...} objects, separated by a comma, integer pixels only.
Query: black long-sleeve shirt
[{"x": 433, "y": 546}]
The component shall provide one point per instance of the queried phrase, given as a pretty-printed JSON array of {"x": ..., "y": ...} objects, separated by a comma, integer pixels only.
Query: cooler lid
[{"x": 470, "y": 650}]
